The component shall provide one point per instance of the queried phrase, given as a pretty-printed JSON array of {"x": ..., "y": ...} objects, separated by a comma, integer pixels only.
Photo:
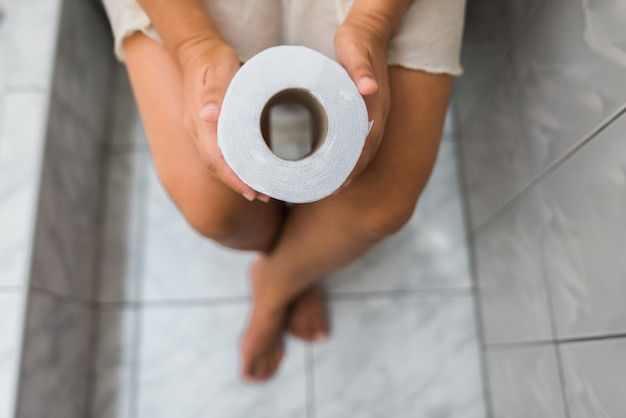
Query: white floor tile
[
  {"x": 595, "y": 378},
  {"x": 189, "y": 367},
  {"x": 413, "y": 356},
  {"x": 524, "y": 382}
]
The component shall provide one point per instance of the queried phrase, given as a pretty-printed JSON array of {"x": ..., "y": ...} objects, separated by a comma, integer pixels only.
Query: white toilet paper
[{"x": 335, "y": 102}]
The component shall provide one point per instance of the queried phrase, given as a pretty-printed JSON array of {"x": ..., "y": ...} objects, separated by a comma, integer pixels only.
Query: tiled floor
[
  {"x": 404, "y": 340},
  {"x": 544, "y": 153}
]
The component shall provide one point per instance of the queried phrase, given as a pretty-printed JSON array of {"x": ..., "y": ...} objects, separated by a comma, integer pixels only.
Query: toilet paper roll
[{"x": 293, "y": 74}]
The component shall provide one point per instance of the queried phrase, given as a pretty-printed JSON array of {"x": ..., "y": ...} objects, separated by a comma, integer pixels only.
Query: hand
[
  {"x": 361, "y": 48},
  {"x": 208, "y": 66}
]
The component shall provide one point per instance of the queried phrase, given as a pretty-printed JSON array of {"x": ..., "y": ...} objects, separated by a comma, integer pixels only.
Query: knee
[
  {"x": 382, "y": 219},
  {"x": 214, "y": 223}
]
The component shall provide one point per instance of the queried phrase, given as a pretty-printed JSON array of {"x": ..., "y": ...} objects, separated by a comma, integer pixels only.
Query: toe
[
  {"x": 247, "y": 373},
  {"x": 272, "y": 365},
  {"x": 254, "y": 373},
  {"x": 311, "y": 330},
  {"x": 322, "y": 330},
  {"x": 267, "y": 368},
  {"x": 276, "y": 357},
  {"x": 298, "y": 330},
  {"x": 275, "y": 361}
]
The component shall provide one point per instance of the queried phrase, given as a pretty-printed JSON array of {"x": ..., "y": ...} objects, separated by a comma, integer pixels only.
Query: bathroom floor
[{"x": 173, "y": 305}]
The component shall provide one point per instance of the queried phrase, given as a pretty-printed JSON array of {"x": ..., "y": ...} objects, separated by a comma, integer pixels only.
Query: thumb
[
  {"x": 212, "y": 90},
  {"x": 211, "y": 104},
  {"x": 360, "y": 68}
]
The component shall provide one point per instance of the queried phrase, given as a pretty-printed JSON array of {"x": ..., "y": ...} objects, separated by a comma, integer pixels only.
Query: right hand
[{"x": 208, "y": 66}]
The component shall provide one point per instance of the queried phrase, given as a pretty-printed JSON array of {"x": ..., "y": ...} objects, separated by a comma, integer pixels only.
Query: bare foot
[
  {"x": 262, "y": 345},
  {"x": 307, "y": 318}
]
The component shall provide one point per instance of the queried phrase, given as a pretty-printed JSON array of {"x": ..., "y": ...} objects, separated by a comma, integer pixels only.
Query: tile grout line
[
  {"x": 553, "y": 329},
  {"x": 480, "y": 332},
  {"x": 591, "y": 338},
  {"x": 515, "y": 345},
  {"x": 87, "y": 304},
  {"x": 563, "y": 385},
  {"x": 140, "y": 305},
  {"x": 244, "y": 299},
  {"x": 402, "y": 293},
  {"x": 12, "y": 289},
  {"x": 232, "y": 300},
  {"x": 135, "y": 366},
  {"x": 310, "y": 381},
  {"x": 546, "y": 173},
  {"x": 23, "y": 89},
  {"x": 470, "y": 243}
]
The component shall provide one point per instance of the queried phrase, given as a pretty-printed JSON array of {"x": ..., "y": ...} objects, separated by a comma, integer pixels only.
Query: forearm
[
  {"x": 383, "y": 15},
  {"x": 181, "y": 24}
]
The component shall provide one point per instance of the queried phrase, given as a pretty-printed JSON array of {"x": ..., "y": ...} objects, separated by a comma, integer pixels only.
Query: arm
[
  {"x": 361, "y": 47},
  {"x": 183, "y": 25},
  {"x": 207, "y": 66},
  {"x": 383, "y": 16}
]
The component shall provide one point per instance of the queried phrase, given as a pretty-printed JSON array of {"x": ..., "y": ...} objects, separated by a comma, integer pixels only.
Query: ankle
[
  {"x": 270, "y": 303},
  {"x": 273, "y": 289}
]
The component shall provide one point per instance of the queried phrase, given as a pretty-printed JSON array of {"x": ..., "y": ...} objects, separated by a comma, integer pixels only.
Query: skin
[{"x": 300, "y": 246}]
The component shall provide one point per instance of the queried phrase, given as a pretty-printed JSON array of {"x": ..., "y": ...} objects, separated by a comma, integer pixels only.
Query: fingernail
[
  {"x": 250, "y": 195},
  {"x": 209, "y": 110},
  {"x": 366, "y": 82},
  {"x": 347, "y": 183},
  {"x": 263, "y": 198}
]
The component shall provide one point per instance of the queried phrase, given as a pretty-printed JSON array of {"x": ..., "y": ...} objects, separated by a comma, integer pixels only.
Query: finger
[
  {"x": 367, "y": 155},
  {"x": 213, "y": 154},
  {"x": 360, "y": 165},
  {"x": 215, "y": 159},
  {"x": 358, "y": 169},
  {"x": 262, "y": 368},
  {"x": 209, "y": 115},
  {"x": 372, "y": 105},
  {"x": 228, "y": 177}
]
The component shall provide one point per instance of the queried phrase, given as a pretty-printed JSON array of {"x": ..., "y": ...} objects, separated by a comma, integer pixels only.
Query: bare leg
[
  {"x": 321, "y": 237},
  {"x": 209, "y": 206},
  {"x": 318, "y": 238}
]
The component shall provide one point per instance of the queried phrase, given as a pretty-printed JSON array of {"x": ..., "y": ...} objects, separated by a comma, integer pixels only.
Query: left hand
[{"x": 361, "y": 48}]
